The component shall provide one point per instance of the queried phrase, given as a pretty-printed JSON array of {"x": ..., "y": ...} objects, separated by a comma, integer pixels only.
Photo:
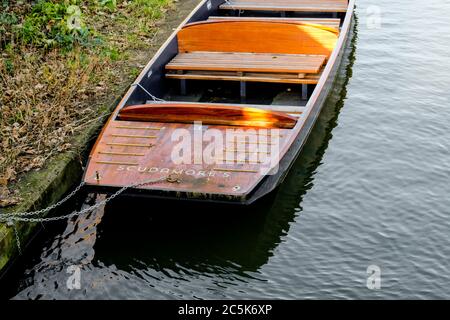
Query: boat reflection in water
[
  {"x": 159, "y": 249},
  {"x": 179, "y": 236}
]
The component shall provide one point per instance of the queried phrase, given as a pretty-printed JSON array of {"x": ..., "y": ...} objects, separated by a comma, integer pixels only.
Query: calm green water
[{"x": 371, "y": 188}]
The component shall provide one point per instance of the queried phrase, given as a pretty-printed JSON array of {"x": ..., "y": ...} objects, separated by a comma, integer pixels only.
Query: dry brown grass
[
  {"x": 44, "y": 102},
  {"x": 46, "y": 98}
]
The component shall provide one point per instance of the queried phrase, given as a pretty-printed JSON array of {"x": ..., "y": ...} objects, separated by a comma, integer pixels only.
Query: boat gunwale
[{"x": 345, "y": 29}]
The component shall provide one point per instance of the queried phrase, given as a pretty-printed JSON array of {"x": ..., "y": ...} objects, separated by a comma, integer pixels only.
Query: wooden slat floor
[{"x": 123, "y": 156}]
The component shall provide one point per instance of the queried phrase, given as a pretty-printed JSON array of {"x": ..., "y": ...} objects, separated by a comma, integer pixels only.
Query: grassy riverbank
[{"x": 62, "y": 62}]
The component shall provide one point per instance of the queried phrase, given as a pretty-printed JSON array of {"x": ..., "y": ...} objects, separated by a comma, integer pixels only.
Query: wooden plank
[
  {"x": 278, "y": 108},
  {"x": 257, "y": 37},
  {"x": 110, "y": 153},
  {"x": 115, "y": 163},
  {"x": 287, "y": 5},
  {"x": 133, "y": 136},
  {"x": 139, "y": 127},
  {"x": 138, "y": 145},
  {"x": 253, "y": 77},
  {"x": 329, "y": 22},
  {"x": 247, "y": 62},
  {"x": 208, "y": 115}
]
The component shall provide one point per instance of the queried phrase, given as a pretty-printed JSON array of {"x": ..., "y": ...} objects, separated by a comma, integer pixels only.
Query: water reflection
[{"x": 172, "y": 236}]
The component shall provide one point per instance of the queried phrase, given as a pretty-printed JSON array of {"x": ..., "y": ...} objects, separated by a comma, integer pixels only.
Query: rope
[
  {"x": 148, "y": 93},
  {"x": 233, "y": 8}
]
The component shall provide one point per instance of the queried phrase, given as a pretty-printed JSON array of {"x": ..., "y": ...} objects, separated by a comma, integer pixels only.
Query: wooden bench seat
[
  {"x": 247, "y": 67},
  {"x": 299, "y": 64},
  {"x": 252, "y": 51},
  {"x": 328, "y": 22},
  {"x": 287, "y": 5},
  {"x": 246, "y": 77}
]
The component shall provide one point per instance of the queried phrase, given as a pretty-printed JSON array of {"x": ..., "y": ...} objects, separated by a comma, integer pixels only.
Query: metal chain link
[
  {"x": 45, "y": 210},
  {"x": 5, "y": 216},
  {"x": 12, "y": 218},
  {"x": 11, "y": 224},
  {"x": 19, "y": 247}
]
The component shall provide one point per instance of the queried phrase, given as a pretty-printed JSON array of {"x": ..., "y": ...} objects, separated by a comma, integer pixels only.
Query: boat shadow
[{"x": 171, "y": 235}]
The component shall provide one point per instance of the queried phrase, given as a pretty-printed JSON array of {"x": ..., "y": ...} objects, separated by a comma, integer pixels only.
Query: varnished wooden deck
[{"x": 129, "y": 152}]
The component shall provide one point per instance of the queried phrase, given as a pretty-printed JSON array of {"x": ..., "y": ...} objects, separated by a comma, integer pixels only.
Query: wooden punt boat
[{"x": 184, "y": 131}]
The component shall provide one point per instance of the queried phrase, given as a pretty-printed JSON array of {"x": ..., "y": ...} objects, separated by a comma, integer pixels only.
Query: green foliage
[
  {"x": 134, "y": 72},
  {"x": 53, "y": 24},
  {"x": 60, "y": 24},
  {"x": 9, "y": 66},
  {"x": 7, "y": 18},
  {"x": 149, "y": 8},
  {"x": 110, "y": 52},
  {"x": 110, "y": 4}
]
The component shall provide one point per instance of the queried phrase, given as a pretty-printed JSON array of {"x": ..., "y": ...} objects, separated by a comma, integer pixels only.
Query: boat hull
[{"x": 153, "y": 77}]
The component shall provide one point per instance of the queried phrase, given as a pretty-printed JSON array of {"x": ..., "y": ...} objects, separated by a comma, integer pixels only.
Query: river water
[{"x": 370, "y": 190}]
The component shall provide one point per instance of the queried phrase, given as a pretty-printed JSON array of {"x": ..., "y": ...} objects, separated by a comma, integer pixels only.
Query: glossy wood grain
[
  {"x": 234, "y": 171},
  {"x": 247, "y": 62},
  {"x": 206, "y": 114},
  {"x": 257, "y": 37}
]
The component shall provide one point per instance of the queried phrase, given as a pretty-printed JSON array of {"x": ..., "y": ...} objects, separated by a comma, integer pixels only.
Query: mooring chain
[
  {"x": 10, "y": 218},
  {"x": 33, "y": 216},
  {"x": 11, "y": 224},
  {"x": 16, "y": 232},
  {"x": 6, "y": 216},
  {"x": 45, "y": 210}
]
